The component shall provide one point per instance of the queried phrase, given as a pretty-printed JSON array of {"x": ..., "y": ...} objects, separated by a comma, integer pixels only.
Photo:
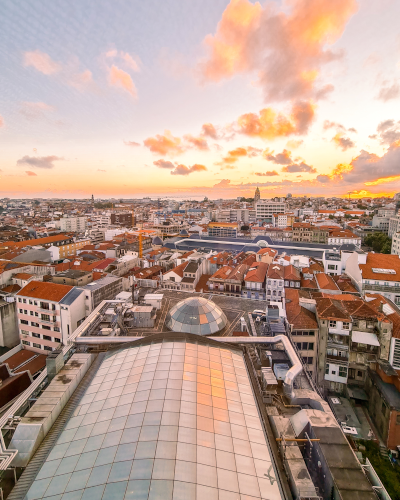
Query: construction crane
[{"x": 140, "y": 238}]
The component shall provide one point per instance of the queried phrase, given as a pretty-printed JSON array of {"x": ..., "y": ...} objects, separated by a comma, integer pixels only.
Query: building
[
  {"x": 265, "y": 209},
  {"x": 48, "y": 314},
  {"x": 61, "y": 251},
  {"x": 106, "y": 288},
  {"x": 283, "y": 220},
  {"x": 276, "y": 282},
  {"x": 123, "y": 219},
  {"x": 257, "y": 195},
  {"x": 73, "y": 224},
  {"x": 302, "y": 232},
  {"x": 396, "y": 243},
  {"x": 222, "y": 229},
  {"x": 9, "y": 332},
  {"x": 381, "y": 222},
  {"x": 343, "y": 237},
  {"x": 375, "y": 273},
  {"x": 255, "y": 281}
]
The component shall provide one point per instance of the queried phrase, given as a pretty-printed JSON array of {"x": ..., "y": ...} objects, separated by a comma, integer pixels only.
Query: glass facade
[
  {"x": 196, "y": 315},
  {"x": 165, "y": 421}
]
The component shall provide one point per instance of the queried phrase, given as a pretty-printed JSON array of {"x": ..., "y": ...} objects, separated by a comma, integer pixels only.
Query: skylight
[{"x": 383, "y": 271}]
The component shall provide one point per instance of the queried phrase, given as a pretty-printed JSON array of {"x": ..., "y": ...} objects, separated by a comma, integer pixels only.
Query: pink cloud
[
  {"x": 30, "y": 173},
  {"x": 1, "y": 121},
  {"x": 41, "y": 62},
  {"x": 122, "y": 79}
]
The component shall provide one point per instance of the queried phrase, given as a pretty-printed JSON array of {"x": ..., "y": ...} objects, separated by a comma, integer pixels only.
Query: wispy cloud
[
  {"x": 183, "y": 170},
  {"x": 119, "y": 78},
  {"x": 42, "y": 62},
  {"x": 131, "y": 143},
  {"x": 389, "y": 92},
  {"x": 30, "y": 173},
  {"x": 268, "y": 173},
  {"x": 46, "y": 162},
  {"x": 35, "y": 110}
]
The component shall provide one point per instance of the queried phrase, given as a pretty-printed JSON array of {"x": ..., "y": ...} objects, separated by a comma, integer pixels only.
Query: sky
[{"x": 133, "y": 98}]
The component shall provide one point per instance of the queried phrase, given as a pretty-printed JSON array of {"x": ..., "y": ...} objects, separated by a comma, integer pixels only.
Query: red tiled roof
[
  {"x": 257, "y": 272},
  {"x": 45, "y": 290},
  {"x": 381, "y": 261},
  {"x": 325, "y": 282},
  {"x": 23, "y": 276}
]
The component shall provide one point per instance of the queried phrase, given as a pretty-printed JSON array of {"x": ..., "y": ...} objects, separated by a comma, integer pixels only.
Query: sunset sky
[{"x": 199, "y": 98}]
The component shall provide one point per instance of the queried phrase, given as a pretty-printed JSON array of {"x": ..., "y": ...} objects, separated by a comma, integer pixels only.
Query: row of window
[
  {"x": 303, "y": 332},
  {"x": 39, "y": 336},
  {"x": 44, "y": 317},
  {"x": 38, "y": 346},
  {"x": 42, "y": 305},
  {"x": 345, "y": 325},
  {"x": 305, "y": 346},
  {"x": 37, "y": 325},
  {"x": 342, "y": 371}
]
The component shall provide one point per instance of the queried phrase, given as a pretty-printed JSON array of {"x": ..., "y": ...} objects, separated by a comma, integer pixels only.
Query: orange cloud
[
  {"x": 286, "y": 49},
  {"x": 30, "y": 173},
  {"x": 41, "y": 62},
  {"x": 292, "y": 144},
  {"x": 197, "y": 142},
  {"x": 183, "y": 170},
  {"x": 234, "y": 155},
  {"x": 81, "y": 80},
  {"x": 269, "y": 173},
  {"x": 208, "y": 130},
  {"x": 269, "y": 124},
  {"x": 120, "y": 78},
  {"x": 131, "y": 61},
  {"x": 344, "y": 143},
  {"x": 383, "y": 180},
  {"x": 165, "y": 144}
]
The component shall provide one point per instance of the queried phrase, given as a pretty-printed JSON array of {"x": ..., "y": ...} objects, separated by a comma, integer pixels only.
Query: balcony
[
  {"x": 51, "y": 322},
  {"x": 335, "y": 344},
  {"x": 382, "y": 288},
  {"x": 337, "y": 360},
  {"x": 48, "y": 311}
]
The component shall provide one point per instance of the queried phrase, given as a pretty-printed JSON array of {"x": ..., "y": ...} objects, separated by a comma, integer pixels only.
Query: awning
[
  {"x": 365, "y": 338},
  {"x": 355, "y": 392}
]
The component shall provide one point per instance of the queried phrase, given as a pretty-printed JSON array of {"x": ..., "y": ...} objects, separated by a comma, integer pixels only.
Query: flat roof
[{"x": 158, "y": 421}]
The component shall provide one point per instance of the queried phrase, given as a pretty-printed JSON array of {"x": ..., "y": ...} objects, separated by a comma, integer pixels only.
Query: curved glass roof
[
  {"x": 163, "y": 421},
  {"x": 196, "y": 315}
]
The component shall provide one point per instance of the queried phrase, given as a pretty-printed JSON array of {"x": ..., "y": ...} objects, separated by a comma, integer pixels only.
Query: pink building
[{"x": 47, "y": 314}]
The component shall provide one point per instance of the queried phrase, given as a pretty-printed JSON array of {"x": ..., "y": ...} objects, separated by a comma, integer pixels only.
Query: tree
[
  {"x": 379, "y": 242},
  {"x": 244, "y": 228}
]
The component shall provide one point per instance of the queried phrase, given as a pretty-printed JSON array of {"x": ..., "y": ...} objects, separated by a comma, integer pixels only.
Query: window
[
  {"x": 359, "y": 373},
  {"x": 24, "y": 332},
  {"x": 25, "y": 342},
  {"x": 327, "y": 370},
  {"x": 38, "y": 346},
  {"x": 19, "y": 300},
  {"x": 24, "y": 322},
  {"x": 44, "y": 305},
  {"x": 21, "y": 311},
  {"x": 35, "y": 324},
  {"x": 31, "y": 313},
  {"x": 346, "y": 326},
  {"x": 24, "y": 301},
  {"x": 311, "y": 346},
  {"x": 30, "y": 302},
  {"x": 46, "y": 337},
  {"x": 47, "y": 348},
  {"x": 45, "y": 317},
  {"x": 298, "y": 345},
  {"x": 25, "y": 311},
  {"x": 333, "y": 372},
  {"x": 342, "y": 371},
  {"x": 56, "y": 329},
  {"x": 35, "y": 335},
  {"x": 332, "y": 324},
  {"x": 45, "y": 327}
]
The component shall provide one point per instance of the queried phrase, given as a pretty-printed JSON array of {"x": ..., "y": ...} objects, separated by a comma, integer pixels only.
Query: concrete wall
[{"x": 9, "y": 334}]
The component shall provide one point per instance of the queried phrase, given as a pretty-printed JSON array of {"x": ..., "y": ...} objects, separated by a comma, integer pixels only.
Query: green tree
[{"x": 379, "y": 242}]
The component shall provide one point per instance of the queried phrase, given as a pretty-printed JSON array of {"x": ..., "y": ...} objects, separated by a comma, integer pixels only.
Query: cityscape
[{"x": 200, "y": 250}]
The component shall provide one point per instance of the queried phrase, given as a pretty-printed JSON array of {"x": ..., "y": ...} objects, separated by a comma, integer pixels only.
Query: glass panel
[
  {"x": 186, "y": 471},
  {"x": 86, "y": 460},
  {"x": 78, "y": 480},
  {"x": 142, "y": 469},
  {"x": 163, "y": 469},
  {"x": 120, "y": 471},
  {"x": 161, "y": 490},
  {"x": 137, "y": 490},
  {"x": 125, "y": 452},
  {"x": 99, "y": 475},
  {"x": 115, "y": 490}
]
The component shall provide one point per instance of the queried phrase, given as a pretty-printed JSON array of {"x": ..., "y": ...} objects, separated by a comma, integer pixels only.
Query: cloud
[
  {"x": 165, "y": 144},
  {"x": 41, "y": 62},
  {"x": 233, "y": 155},
  {"x": 208, "y": 130},
  {"x": 283, "y": 158},
  {"x": 131, "y": 143},
  {"x": 269, "y": 173},
  {"x": 35, "y": 110},
  {"x": 293, "y": 144},
  {"x": 389, "y": 92},
  {"x": 130, "y": 61},
  {"x": 183, "y": 170},
  {"x": 338, "y": 126},
  {"x": 101, "y": 170},
  {"x": 287, "y": 50},
  {"x": 388, "y": 132},
  {"x": 344, "y": 143},
  {"x": 119, "y": 78},
  {"x": 223, "y": 183},
  {"x": 299, "y": 167},
  {"x": 269, "y": 124},
  {"x": 40, "y": 161},
  {"x": 1, "y": 121},
  {"x": 81, "y": 81},
  {"x": 164, "y": 164},
  {"x": 30, "y": 173},
  {"x": 197, "y": 142},
  {"x": 228, "y": 167},
  {"x": 324, "y": 179}
]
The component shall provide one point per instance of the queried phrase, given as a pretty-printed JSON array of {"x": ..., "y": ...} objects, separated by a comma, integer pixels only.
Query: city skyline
[{"x": 211, "y": 98}]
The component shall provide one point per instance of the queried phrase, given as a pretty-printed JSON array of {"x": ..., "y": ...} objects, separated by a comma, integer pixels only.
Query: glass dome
[{"x": 196, "y": 315}]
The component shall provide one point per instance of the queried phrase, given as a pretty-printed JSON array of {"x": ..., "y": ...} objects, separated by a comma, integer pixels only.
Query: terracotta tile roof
[
  {"x": 45, "y": 290},
  {"x": 276, "y": 272},
  {"x": 342, "y": 233},
  {"x": 337, "y": 308},
  {"x": 223, "y": 273},
  {"x": 394, "y": 317},
  {"x": 344, "y": 284},
  {"x": 308, "y": 284},
  {"x": 178, "y": 269},
  {"x": 39, "y": 241},
  {"x": 325, "y": 282},
  {"x": 299, "y": 317},
  {"x": 381, "y": 261},
  {"x": 101, "y": 265},
  {"x": 149, "y": 272},
  {"x": 270, "y": 251},
  {"x": 257, "y": 272},
  {"x": 291, "y": 273},
  {"x": 23, "y": 276},
  {"x": 202, "y": 283},
  {"x": 11, "y": 289}
]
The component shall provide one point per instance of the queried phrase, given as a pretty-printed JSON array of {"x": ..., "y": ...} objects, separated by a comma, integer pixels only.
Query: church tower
[{"x": 257, "y": 195}]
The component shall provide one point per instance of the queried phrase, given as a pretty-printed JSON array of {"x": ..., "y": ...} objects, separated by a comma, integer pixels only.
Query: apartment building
[
  {"x": 106, "y": 288},
  {"x": 276, "y": 282},
  {"x": 265, "y": 209},
  {"x": 74, "y": 224},
  {"x": 343, "y": 237},
  {"x": 353, "y": 334},
  {"x": 255, "y": 281},
  {"x": 61, "y": 251},
  {"x": 283, "y": 220},
  {"x": 222, "y": 229},
  {"x": 302, "y": 232},
  {"x": 123, "y": 219},
  {"x": 47, "y": 314},
  {"x": 375, "y": 273}
]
